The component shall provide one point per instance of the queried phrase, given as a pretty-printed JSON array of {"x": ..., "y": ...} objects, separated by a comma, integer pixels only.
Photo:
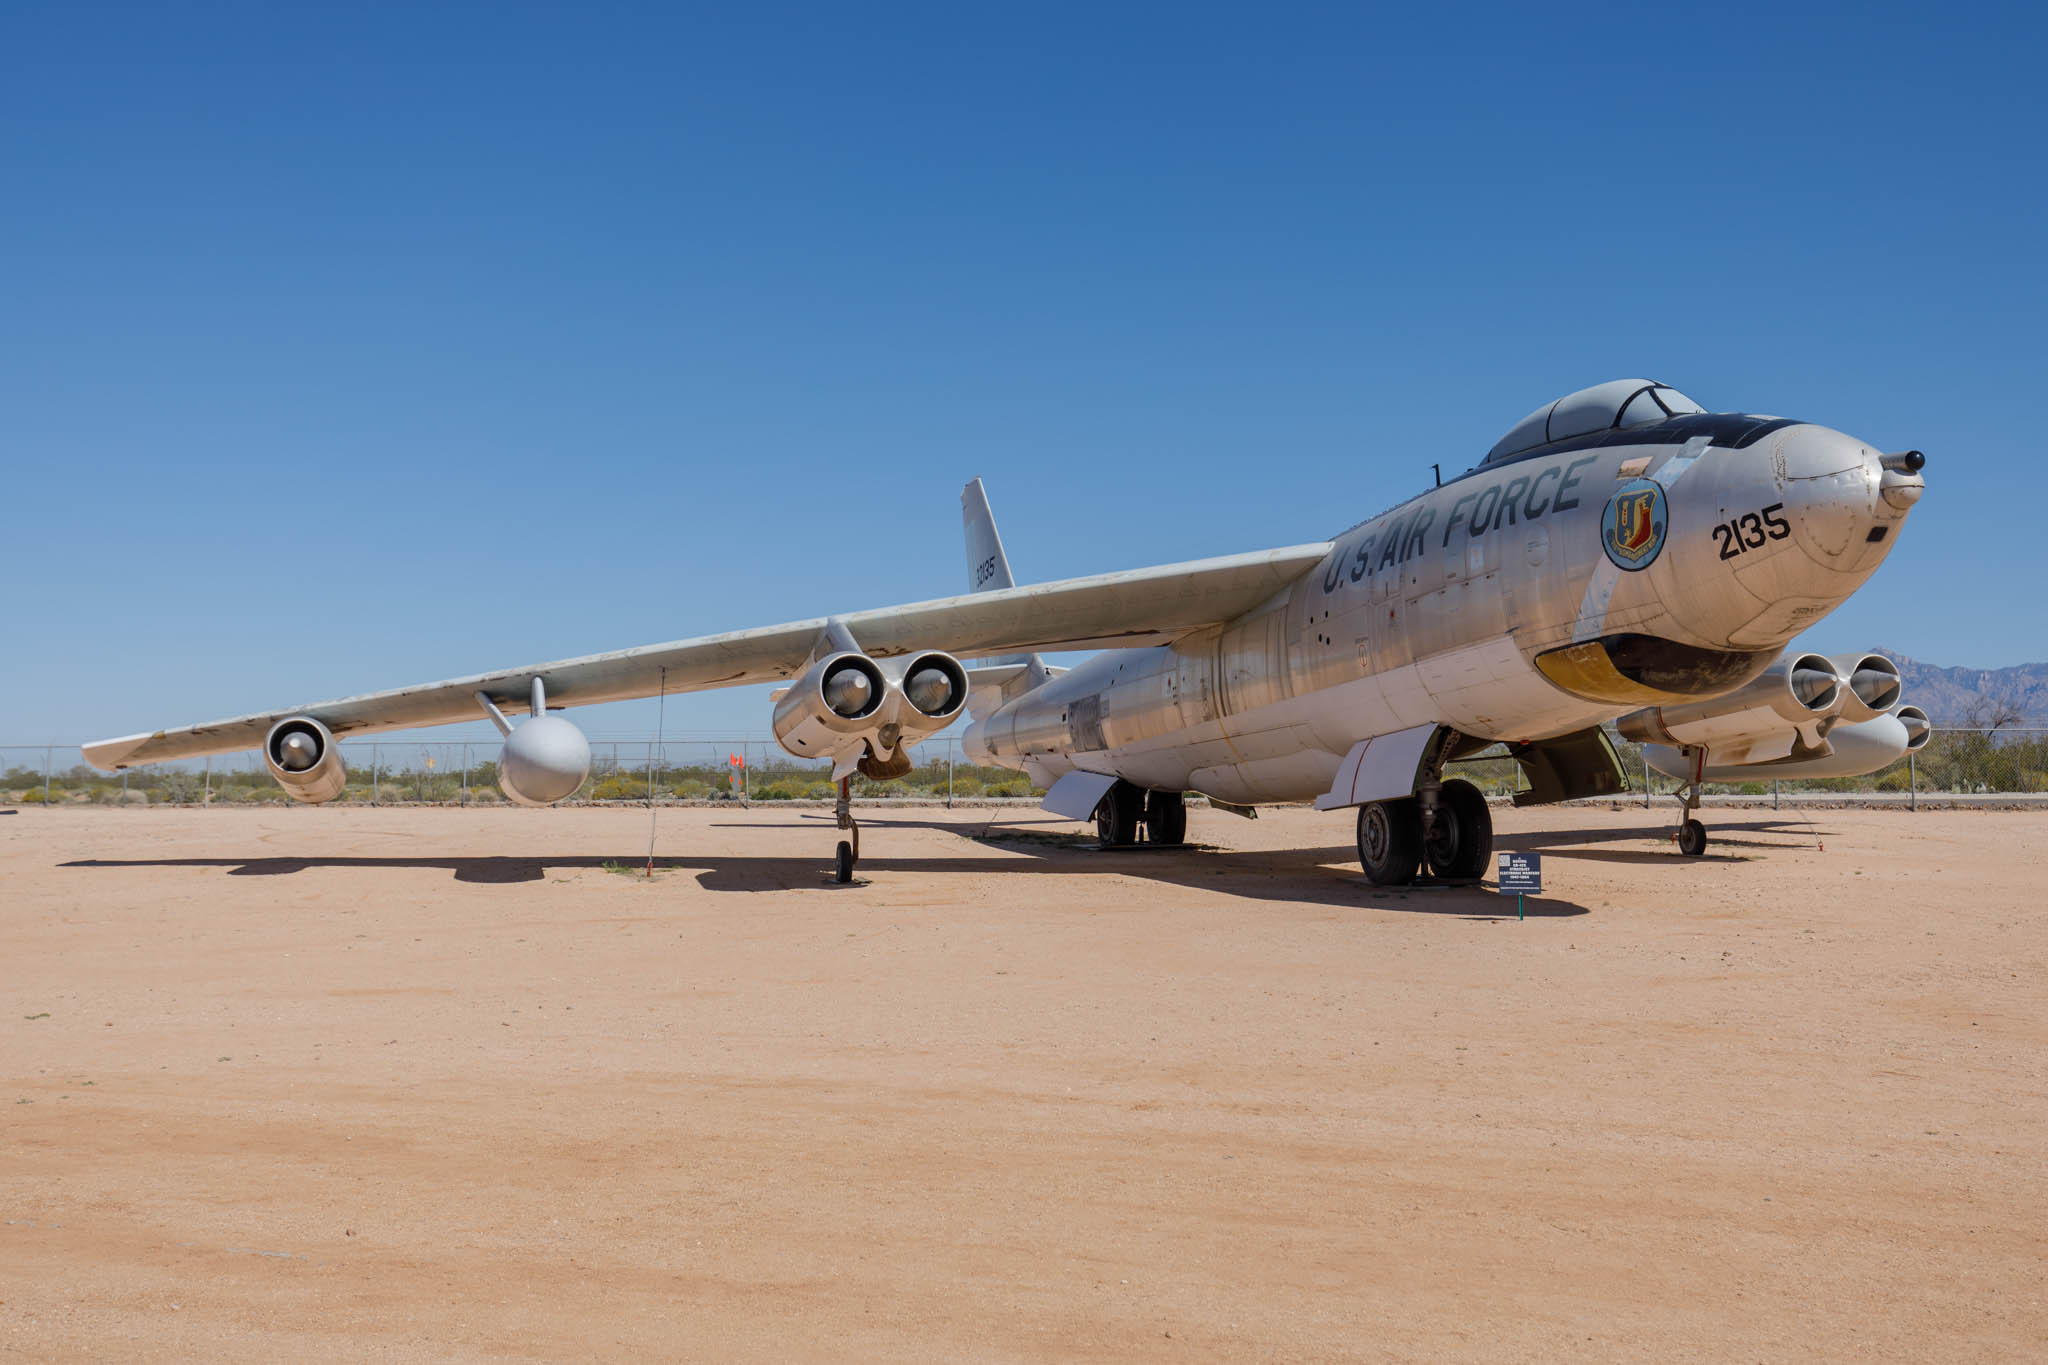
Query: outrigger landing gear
[
  {"x": 1691, "y": 834},
  {"x": 848, "y": 853}
]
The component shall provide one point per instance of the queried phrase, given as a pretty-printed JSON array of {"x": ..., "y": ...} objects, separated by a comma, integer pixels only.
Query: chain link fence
[
  {"x": 465, "y": 773},
  {"x": 2006, "y": 760}
]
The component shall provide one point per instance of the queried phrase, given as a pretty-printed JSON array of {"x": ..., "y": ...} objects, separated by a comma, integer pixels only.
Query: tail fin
[{"x": 988, "y": 568}]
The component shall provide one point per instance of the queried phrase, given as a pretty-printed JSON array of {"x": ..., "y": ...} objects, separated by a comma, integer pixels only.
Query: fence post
[
  {"x": 464, "y": 799},
  {"x": 1646, "y": 778},
  {"x": 206, "y": 798},
  {"x": 949, "y": 774},
  {"x": 46, "y": 775},
  {"x": 1774, "y": 793},
  {"x": 376, "y": 755},
  {"x": 1912, "y": 783},
  {"x": 124, "y": 789}
]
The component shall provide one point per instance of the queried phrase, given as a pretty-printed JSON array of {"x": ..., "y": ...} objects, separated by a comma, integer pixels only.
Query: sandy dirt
[{"x": 292, "y": 1084}]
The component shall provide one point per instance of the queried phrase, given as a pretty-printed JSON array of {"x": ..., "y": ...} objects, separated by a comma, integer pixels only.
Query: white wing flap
[{"x": 1139, "y": 607}]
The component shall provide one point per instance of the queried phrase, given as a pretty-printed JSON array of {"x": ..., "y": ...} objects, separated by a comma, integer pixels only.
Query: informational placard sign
[{"x": 1521, "y": 874}]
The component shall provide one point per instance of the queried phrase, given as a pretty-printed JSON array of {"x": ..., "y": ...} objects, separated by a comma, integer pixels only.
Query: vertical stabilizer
[{"x": 988, "y": 568}]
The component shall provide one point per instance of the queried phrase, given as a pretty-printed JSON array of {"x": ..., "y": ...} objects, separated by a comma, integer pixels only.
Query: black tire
[
  {"x": 1460, "y": 843},
  {"x": 842, "y": 865},
  {"x": 1390, "y": 841},
  {"x": 1692, "y": 838},
  {"x": 1166, "y": 818},
  {"x": 1118, "y": 814}
]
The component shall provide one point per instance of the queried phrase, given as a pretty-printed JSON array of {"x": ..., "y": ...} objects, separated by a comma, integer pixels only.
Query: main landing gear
[
  {"x": 1127, "y": 808},
  {"x": 1446, "y": 827},
  {"x": 1691, "y": 834}
]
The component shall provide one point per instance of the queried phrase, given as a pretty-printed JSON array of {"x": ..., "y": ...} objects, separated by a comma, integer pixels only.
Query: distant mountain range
[{"x": 1958, "y": 696}]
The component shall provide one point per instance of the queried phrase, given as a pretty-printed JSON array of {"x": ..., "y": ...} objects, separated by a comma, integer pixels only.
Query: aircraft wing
[{"x": 1117, "y": 610}]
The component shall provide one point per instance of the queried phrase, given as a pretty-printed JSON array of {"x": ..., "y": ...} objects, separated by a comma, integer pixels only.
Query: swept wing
[{"x": 1117, "y": 610}]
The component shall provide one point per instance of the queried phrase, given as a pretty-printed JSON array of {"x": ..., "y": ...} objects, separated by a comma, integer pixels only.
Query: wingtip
[{"x": 106, "y": 754}]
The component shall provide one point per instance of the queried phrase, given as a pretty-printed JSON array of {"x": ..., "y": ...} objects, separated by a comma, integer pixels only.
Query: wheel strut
[
  {"x": 1691, "y": 834},
  {"x": 849, "y": 849}
]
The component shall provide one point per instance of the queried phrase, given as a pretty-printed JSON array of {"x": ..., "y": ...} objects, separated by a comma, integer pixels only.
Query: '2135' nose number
[{"x": 1751, "y": 530}]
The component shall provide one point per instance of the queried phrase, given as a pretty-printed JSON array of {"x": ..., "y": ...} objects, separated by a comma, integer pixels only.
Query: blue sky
[{"x": 343, "y": 350}]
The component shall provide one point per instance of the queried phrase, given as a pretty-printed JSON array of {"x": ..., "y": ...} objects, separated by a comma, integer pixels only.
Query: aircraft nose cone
[
  {"x": 1843, "y": 503},
  {"x": 1775, "y": 536}
]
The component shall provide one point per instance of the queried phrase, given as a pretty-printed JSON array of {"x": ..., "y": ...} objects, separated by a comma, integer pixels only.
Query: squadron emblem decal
[{"x": 1637, "y": 519}]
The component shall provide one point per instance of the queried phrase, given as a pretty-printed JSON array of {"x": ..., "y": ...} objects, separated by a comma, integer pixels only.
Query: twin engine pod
[
  {"x": 1806, "y": 716},
  {"x": 847, "y": 700},
  {"x": 300, "y": 753},
  {"x": 1787, "y": 702}
]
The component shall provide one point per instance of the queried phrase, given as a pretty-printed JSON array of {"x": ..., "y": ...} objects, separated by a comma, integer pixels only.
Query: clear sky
[{"x": 350, "y": 348}]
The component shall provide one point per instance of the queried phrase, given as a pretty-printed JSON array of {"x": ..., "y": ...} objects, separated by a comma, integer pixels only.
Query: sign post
[{"x": 1521, "y": 873}]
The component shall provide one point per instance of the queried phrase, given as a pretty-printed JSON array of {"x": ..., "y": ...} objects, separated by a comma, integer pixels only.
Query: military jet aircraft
[{"x": 1620, "y": 555}]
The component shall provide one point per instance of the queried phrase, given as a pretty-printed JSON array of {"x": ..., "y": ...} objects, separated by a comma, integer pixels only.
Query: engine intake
[
  {"x": 1918, "y": 729},
  {"x": 300, "y": 753},
  {"x": 1874, "y": 685}
]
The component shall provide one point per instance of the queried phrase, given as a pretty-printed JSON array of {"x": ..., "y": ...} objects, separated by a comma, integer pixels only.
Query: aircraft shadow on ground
[{"x": 1324, "y": 876}]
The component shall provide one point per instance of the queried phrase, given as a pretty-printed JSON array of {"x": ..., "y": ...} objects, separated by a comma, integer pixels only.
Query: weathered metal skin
[{"x": 1639, "y": 567}]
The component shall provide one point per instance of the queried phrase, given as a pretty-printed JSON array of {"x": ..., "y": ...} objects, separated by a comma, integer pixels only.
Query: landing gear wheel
[
  {"x": 1460, "y": 839},
  {"x": 1118, "y": 814},
  {"x": 1390, "y": 841},
  {"x": 842, "y": 865},
  {"x": 1692, "y": 838},
  {"x": 1166, "y": 818}
]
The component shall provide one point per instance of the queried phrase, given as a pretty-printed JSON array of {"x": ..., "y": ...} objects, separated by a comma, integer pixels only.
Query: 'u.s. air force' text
[{"x": 1526, "y": 496}]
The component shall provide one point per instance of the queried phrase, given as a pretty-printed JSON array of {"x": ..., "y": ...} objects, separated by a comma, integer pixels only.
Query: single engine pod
[{"x": 299, "y": 752}]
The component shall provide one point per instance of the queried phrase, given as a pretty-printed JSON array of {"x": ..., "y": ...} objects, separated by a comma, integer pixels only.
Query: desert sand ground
[{"x": 292, "y": 1084}]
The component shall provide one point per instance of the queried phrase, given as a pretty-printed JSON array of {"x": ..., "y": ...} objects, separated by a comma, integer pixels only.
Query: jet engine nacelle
[
  {"x": 300, "y": 753},
  {"x": 1853, "y": 749},
  {"x": 847, "y": 702},
  {"x": 1873, "y": 685},
  {"x": 1785, "y": 704},
  {"x": 545, "y": 758}
]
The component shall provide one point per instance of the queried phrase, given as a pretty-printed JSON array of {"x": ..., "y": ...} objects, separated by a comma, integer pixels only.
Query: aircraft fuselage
[{"x": 1532, "y": 597}]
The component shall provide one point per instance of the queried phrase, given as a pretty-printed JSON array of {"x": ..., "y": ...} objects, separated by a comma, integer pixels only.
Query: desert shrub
[{"x": 775, "y": 791}]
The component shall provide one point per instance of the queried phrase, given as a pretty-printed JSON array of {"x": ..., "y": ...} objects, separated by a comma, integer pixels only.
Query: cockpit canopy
[{"x": 1616, "y": 404}]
